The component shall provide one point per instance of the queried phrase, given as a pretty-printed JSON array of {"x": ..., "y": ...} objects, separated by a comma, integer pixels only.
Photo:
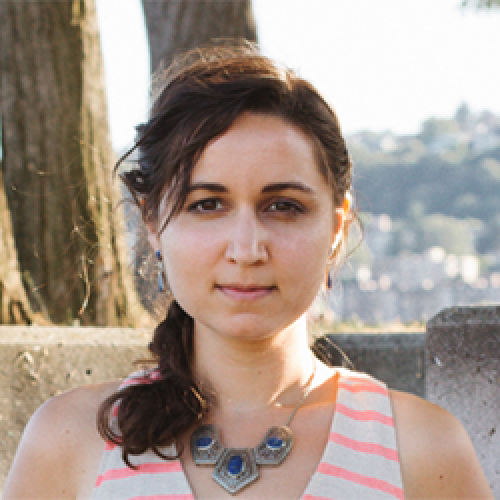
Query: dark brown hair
[{"x": 201, "y": 95}]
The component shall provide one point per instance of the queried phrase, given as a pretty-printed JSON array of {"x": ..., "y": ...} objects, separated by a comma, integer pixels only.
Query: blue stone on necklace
[
  {"x": 204, "y": 442},
  {"x": 275, "y": 443},
  {"x": 235, "y": 465}
]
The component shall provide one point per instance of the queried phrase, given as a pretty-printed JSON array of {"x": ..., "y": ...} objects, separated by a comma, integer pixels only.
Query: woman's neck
[{"x": 249, "y": 375}]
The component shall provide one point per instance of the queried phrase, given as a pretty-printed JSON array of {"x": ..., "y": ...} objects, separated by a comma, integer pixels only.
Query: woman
[{"x": 243, "y": 183}]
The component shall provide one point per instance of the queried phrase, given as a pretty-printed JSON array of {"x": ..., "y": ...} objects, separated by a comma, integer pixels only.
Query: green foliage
[
  {"x": 434, "y": 127},
  {"x": 482, "y": 4},
  {"x": 489, "y": 242},
  {"x": 491, "y": 166},
  {"x": 436, "y": 193},
  {"x": 447, "y": 232},
  {"x": 361, "y": 257},
  {"x": 463, "y": 114},
  {"x": 456, "y": 236}
]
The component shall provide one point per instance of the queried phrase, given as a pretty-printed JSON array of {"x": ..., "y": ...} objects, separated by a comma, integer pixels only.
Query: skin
[{"x": 242, "y": 232}]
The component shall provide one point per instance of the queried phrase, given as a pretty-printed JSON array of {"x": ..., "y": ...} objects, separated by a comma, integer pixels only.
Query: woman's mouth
[{"x": 245, "y": 292}]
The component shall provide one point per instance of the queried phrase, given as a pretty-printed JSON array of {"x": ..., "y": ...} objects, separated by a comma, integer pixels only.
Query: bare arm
[
  {"x": 437, "y": 456},
  {"x": 60, "y": 449}
]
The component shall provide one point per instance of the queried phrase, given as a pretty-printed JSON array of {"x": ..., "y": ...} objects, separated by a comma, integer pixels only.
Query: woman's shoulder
[
  {"x": 73, "y": 408},
  {"x": 84, "y": 395},
  {"x": 59, "y": 445},
  {"x": 437, "y": 457}
]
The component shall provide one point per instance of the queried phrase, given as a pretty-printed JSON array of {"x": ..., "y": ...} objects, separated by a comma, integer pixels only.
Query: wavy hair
[{"x": 199, "y": 97}]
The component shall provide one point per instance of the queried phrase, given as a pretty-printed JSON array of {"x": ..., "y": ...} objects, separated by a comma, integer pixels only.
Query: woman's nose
[{"x": 247, "y": 239}]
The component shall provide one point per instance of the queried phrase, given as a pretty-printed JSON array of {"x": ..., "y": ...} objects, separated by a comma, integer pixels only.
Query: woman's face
[{"x": 247, "y": 254}]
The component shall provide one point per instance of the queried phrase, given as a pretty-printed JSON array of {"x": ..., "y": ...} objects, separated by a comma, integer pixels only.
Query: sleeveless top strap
[
  {"x": 153, "y": 479},
  {"x": 361, "y": 458}
]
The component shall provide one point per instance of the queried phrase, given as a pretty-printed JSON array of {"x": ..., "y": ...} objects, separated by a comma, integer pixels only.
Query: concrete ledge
[
  {"x": 37, "y": 363},
  {"x": 463, "y": 362}
]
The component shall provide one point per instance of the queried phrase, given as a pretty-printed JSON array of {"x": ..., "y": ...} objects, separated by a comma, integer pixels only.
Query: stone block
[
  {"x": 463, "y": 376},
  {"x": 37, "y": 363}
]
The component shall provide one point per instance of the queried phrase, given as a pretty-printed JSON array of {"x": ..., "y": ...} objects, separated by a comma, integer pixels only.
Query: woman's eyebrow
[
  {"x": 282, "y": 186},
  {"x": 207, "y": 186},
  {"x": 269, "y": 188}
]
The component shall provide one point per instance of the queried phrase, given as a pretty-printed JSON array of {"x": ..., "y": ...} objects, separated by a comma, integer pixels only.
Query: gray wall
[
  {"x": 463, "y": 376},
  {"x": 398, "y": 359}
]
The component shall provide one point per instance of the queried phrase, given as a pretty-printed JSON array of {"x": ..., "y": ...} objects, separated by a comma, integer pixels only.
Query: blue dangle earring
[
  {"x": 328, "y": 280},
  {"x": 159, "y": 263}
]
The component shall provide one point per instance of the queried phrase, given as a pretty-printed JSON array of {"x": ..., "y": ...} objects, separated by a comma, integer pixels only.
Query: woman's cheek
[{"x": 186, "y": 258}]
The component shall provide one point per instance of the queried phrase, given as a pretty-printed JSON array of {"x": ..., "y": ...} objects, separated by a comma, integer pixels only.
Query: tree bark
[
  {"x": 178, "y": 25},
  {"x": 14, "y": 305},
  {"x": 57, "y": 162}
]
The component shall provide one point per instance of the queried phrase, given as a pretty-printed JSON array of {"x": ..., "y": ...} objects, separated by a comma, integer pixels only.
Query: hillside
[{"x": 439, "y": 188}]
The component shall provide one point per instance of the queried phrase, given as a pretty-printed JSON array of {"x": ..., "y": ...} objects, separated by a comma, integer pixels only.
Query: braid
[
  {"x": 172, "y": 342},
  {"x": 153, "y": 413}
]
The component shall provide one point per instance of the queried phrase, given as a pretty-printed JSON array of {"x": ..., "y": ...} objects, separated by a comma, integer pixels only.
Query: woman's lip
[{"x": 246, "y": 292}]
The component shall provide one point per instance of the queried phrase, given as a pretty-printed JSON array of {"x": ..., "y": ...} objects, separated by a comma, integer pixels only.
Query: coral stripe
[
  {"x": 148, "y": 468},
  {"x": 135, "y": 381},
  {"x": 313, "y": 497},
  {"x": 370, "y": 482},
  {"x": 363, "y": 387},
  {"x": 364, "y": 415},
  {"x": 109, "y": 446},
  {"x": 173, "y": 496},
  {"x": 364, "y": 447}
]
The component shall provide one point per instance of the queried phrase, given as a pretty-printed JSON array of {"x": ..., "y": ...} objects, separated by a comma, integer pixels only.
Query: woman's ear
[
  {"x": 153, "y": 237},
  {"x": 340, "y": 227}
]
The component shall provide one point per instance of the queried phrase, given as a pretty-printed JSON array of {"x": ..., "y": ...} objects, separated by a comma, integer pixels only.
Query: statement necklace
[{"x": 236, "y": 468}]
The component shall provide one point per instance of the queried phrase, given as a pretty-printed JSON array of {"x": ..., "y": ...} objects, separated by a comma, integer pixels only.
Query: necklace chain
[
  {"x": 236, "y": 468},
  {"x": 307, "y": 390}
]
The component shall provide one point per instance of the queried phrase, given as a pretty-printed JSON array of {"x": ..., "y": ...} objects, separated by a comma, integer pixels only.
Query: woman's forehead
[
  {"x": 266, "y": 128},
  {"x": 257, "y": 147}
]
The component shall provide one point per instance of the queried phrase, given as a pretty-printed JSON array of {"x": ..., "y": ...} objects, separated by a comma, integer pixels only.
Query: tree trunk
[
  {"x": 178, "y": 25},
  {"x": 57, "y": 161},
  {"x": 14, "y": 305}
]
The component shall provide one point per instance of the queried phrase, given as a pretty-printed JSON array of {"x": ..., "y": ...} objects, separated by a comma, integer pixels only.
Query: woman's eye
[
  {"x": 208, "y": 205},
  {"x": 285, "y": 207}
]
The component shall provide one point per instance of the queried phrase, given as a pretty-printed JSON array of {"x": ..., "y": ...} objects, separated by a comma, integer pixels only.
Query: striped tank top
[{"x": 360, "y": 459}]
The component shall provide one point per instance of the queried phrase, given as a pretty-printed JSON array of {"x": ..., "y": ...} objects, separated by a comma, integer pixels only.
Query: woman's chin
[
  {"x": 247, "y": 333},
  {"x": 246, "y": 327}
]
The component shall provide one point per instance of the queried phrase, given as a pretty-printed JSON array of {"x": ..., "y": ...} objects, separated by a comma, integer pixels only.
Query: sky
[{"x": 383, "y": 65}]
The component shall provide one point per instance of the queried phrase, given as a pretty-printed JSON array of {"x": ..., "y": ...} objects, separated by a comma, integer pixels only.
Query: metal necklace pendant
[
  {"x": 206, "y": 447},
  {"x": 236, "y": 468},
  {"x": 275, "y": 447}
]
